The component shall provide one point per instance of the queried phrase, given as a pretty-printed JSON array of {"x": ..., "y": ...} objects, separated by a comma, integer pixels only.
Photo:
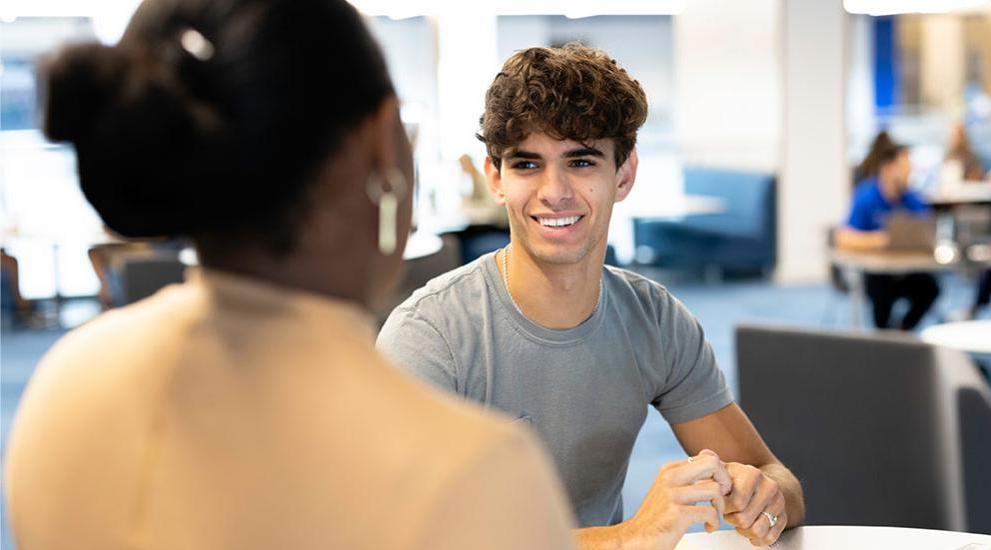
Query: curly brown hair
[{"x": 572, "y": 92}]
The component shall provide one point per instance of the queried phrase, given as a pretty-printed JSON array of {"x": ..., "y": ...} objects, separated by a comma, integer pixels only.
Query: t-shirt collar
[{"x": 496, "y": 285}]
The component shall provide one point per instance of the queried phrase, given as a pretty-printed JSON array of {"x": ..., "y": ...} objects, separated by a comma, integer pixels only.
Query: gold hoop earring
[{"x": 386, "y": 194}]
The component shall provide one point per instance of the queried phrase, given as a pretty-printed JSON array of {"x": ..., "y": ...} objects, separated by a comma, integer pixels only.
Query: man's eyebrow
[
  {"x": 584, "y": 152},
  {"x": 520, "y": 154}
]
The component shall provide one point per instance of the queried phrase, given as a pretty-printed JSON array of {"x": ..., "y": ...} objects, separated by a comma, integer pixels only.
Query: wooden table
[{"x": 845, "y": 538}]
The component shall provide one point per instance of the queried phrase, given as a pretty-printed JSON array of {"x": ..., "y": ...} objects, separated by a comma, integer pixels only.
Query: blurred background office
[{"x": 760, "y": 112}]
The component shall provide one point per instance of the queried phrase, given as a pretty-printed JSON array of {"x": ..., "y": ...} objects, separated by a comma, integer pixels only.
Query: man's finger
[
  {"x": 703, "y": 466},
  {"x": 778, "y": 510},
  {"x": 746, "y": 479},
  {"x": 707, "y": 490},
  {"x": 764, "y": 496},
  {"x": 722, "y": 476},
  {"x": 704, "y": 514}
]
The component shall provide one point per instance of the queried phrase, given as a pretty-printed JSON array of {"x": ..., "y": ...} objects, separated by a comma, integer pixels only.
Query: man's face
[
  {"x": 899, "y": 171},
  {"x": 904, "y": 164},
  {"x": 560, "y": 194}
]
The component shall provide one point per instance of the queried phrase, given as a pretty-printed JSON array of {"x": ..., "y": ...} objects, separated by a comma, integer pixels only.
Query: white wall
[
  {"x": 641, "y": 44},
  {"x": 728, "y": 83},
  {"x": 467, "y": 62}
]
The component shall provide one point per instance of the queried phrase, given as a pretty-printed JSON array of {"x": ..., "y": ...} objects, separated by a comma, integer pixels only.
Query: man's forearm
[
  {"x": 791, "y": 489},
  {"x": 599, "y": 538},
  {"x": 856, "y": 240},
  {"x": 625, "y": 536}
]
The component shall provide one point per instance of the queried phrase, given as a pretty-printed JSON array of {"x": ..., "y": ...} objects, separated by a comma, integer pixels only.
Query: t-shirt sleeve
[
  {"x": 415, "y": 345},
  {"x": 861, "y": 213},
  {"x": 914, "y": 203},
  {"x": 507, "y": 498},
  {"x": 693, "y": 385}
]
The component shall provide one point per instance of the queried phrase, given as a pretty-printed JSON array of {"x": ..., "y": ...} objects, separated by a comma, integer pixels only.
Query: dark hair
[
  {"x": 222, "y": 138},
  {"x": 882, "y": 151},
  {"x": 573, "y": 92}
]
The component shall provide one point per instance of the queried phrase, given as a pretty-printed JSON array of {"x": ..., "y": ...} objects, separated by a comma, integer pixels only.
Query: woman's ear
[
  {"x": 384, "y": 128},
  {"x": 494, "y": 178}
]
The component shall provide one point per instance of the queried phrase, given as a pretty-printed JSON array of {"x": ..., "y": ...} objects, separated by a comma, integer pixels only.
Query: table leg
[{"x": 858, "y": 297}]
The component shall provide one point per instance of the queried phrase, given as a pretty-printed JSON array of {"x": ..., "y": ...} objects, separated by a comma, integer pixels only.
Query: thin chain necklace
[
  {"x": 505, "y": 280},
  {"x": 505, "y": 277}
]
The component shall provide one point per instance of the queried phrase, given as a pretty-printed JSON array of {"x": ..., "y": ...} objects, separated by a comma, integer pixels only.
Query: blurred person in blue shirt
[{"x": 884, "y": 191}]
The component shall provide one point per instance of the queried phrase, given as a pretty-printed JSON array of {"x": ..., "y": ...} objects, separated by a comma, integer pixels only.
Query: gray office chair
[{"x": 880, "y": 428}]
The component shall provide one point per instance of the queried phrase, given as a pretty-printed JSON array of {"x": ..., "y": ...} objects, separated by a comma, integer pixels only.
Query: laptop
[{"x": 911, "y": 233}]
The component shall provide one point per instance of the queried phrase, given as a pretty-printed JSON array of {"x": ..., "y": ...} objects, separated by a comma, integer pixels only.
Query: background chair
[
  {"x": 741, "y": 240},
  {"x": 882, "y": 429},
  {"x": 141, "y": 275},
  {"x": 418, "y": 271},
  {"x": 840, "y": 283}
]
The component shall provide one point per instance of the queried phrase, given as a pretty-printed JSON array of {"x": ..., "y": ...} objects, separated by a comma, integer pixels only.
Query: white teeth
[{"x": 558, "y": 222}]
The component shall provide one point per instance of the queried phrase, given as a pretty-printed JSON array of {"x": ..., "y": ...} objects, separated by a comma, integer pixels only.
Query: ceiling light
[
  {"x": 398, "y": 9},
  {"x": 897, "y": 7}
]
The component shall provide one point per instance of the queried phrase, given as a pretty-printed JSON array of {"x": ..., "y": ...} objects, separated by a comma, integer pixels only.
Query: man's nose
[{"x": 555, "y": 187}]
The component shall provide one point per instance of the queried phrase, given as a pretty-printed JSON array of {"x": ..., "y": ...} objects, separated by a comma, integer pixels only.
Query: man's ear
[
  {"x": 626, "y": 176},
  {"x": 494, "y": 178}
]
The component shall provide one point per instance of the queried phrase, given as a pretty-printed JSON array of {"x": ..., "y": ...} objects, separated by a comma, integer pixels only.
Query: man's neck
[{"x": 554, "y": 296}]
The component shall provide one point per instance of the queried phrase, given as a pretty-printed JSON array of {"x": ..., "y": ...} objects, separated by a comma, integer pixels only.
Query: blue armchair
[{"x": 742, "y": 239}]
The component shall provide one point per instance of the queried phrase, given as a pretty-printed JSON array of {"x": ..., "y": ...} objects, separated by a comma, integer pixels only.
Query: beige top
[{"x": 227, "y": 413}]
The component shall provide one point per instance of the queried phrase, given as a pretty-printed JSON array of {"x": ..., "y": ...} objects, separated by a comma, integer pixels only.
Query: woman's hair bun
[
  {"x": 221, "y": 135},
  {"x": 81, "y": 81},
  {"x": 145, "y": 149}
]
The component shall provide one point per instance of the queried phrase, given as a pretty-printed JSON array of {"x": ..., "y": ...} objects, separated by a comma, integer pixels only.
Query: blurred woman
[
  {"x": 247, "y": 408},
  {"x": 960, "y": 159},
  {"x": 875, "y": 199},
  {"x": 964, "y": 164},
  {"x": 872, "y": 160}
]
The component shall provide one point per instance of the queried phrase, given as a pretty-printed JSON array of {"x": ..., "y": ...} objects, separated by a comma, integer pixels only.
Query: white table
[
  {"x": 419, "y": 244},
  {"x": 845, "y": 538},
  {"x": 969, "y": 192},
  {"x": 967, "y": 336},
  {"x": 680, "y": 207}
]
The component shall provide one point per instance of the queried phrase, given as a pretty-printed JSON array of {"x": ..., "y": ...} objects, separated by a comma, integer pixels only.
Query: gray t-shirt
[{"x": 584, "y": 390}]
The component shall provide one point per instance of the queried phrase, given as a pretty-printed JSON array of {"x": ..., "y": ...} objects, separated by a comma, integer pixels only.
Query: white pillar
[{"x": 814, "y": 182}]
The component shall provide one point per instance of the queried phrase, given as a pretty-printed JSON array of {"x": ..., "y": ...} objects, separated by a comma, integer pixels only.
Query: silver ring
[
  {"x": 691, "y": 459},
  {"x": 771, "y": 518}
]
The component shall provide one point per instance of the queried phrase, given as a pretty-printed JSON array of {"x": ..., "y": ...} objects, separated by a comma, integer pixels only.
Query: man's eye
[
  {"x": 582, "y": 163},
  {"x": 524, "y": 165}
]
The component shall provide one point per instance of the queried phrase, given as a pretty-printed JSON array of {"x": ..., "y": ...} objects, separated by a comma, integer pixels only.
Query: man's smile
[{"x": 557, "y": 221}]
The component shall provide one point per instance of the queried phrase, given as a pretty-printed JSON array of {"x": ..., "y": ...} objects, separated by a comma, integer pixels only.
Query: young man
[
  {"x": 544, "y": 332},
  {"x": 875, "y": 199}
]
